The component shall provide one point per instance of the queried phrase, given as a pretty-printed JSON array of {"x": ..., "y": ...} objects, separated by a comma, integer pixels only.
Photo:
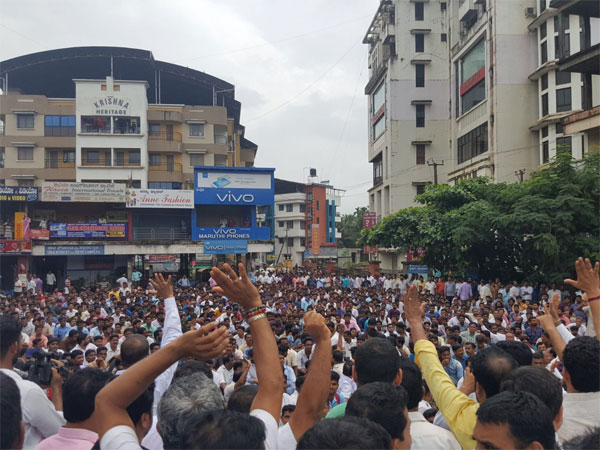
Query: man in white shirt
[
  {"x": 41, "y": 417},
  {"x": 226, "y": 370}
]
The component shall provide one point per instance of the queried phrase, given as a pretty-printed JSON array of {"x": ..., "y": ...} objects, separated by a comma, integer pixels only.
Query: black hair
[
  {"x": 225, "y": 429},
  {"x": 300, "y": 381},
  {"x": 588, "y": 441},
  {"x": 141, "y": 405},
  {"x": 412, "y": 381},
  {"x": 338, "y": 356},
  {"x": 431, "y": 412},
  {"x": 537, "y": 355},
  {"x": 376, "y": 360},
  {"x": 335, "y": 376},
  {"x": 288, "y": 408},
  {"x": 79, "y": 393},
  {"x": 489, "y": 366},
  {"x": 537, "y": 381},
  {"x": 134, "y": 349},
  {"x": 383, "y": 403},
  {"x": 75, "y": 353},
  {"x": 10, "y": 404},
  {"x": 581, "y": 358},
  {"x": 241, "y": 399},
  {"x": 528, "y": 418},
  {"x": 10, "y": 332},
  {"x": 456, "y": 347},
  {"x": 190, "y": 367},
  {"x": 518, "y": 350},
  {"x": 345, "y": 433}
]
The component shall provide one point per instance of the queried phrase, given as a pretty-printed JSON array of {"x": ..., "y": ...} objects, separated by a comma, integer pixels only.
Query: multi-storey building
[
  {"x": 305, "y": 221},
  {"x": 102, "y": 120},
  {"x": 494, "y": 73}
]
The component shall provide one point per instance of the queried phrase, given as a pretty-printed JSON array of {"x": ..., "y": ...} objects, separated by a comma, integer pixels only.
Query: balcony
[
  {"x": 166, "y": 167},
  {"x": 160, "y": 234},
  {"x": 58, "y": 163},
  {"x": 165, "y": 142},
  {"x": 377, "y": 181}
]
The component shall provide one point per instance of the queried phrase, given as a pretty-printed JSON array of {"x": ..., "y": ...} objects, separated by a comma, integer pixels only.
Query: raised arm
[
  {"x": 266, "y": 356},
  {"x": 313, "y": 397},
  {"x": 588, "y": 280}
]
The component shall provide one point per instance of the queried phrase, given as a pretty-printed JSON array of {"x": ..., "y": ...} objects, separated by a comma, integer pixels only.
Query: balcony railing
[
  {"x": 160, "y": 234},
  {"x": 126, "y": 130},
  {"x": 164, "y": 136},
  {"x": 377, "y": 181},
  {"x": 165, "y": 167},
  {"x": 99, "y": 162},
  {"x": 52, "y": 163}
]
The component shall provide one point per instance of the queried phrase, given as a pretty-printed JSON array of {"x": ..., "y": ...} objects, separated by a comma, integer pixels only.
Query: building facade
[{"x": 97, "y": 171}]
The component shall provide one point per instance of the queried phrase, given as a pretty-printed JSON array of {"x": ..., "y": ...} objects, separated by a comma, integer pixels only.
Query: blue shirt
[
  {"x": 454, "y": 370},
  {"x": 61, "y": 332},
  {"x": 338, "y": 399}
]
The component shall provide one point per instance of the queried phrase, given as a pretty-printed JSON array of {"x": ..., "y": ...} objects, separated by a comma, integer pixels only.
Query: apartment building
[{"x": 305, "y": 222}]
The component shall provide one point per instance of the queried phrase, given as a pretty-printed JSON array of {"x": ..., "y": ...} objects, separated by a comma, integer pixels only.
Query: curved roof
[{"x": 51, "y": 73}]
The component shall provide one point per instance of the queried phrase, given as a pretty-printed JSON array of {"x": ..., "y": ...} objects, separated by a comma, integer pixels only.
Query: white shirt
[
  {"x": 39, "y": 416},
  {"x": 426, "y": 436},
  {"x": 271, "y": 428},
  {"x": 226, "y": 375},
  {"x": 120, "y": 437},
  {"x": 581, "y": 413}
]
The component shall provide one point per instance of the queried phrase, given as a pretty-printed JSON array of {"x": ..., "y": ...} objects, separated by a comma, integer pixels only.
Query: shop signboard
[
  {"x": 316, "y": 246},
  {"x": 225, "y": 246},
  {"x": 369, "y": 220},
  {"x": 40, "y": 235},
  {"x": 73, "y": 250},
  {"x": 19, "y": 194},
  {"x": 233, "y": 186},
  {"x": 88, "y": 230},
  {"x": 15, "y": 247},
  {"x": 228, "y": 233},
  {"x": 159, "y": 198},
  {"x": 162, "y": 263},
  {"x": 417, "y": 269},
  {"x": 83, "y": 192}
]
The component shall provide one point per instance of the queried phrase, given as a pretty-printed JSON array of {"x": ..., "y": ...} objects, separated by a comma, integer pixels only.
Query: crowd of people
[{"x": 302, "y": 360}]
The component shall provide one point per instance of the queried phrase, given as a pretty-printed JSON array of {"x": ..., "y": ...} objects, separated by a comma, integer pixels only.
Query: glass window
[
  {"x": 197, "y": 129},
  {"x": 544, "y": 132},
  {"x": 377, "y": 171},
  {"x": 127, "y": 125},
  {"x": 379, "y": 127},
  {"x": 473, "y": 61},
  {"x": 154, "y": 159},
  {"x": 543, "y": 31},
  {"x": 420, "y": 153},
  {"x": 25, "y": 120},
  {"x": 59, "y": 125},
  {"x": 544, "y": 51},
  {"x": 545, "y": 152},
  {"x": 444, "y": 37},
  {"x": 24, "y": 153},
  {"x": 544, "y": 80},
  {"x": 420, "y": 116},
  {"x": 25, "y": 182},
  {"x": 563, "y": 77},
  {"x": 378, "y": 99},
  {"x": 119, "y": 158},
  {"x": 419, "y": 43},
  {"x": 317, "y": 205},
  {"x": 91, "y": 124},
  {"x": 474, "y": 96},
  {"x": 154, "y": 129},
  {"x": 563, "y": 100},
  {"x": 281, "y": 207},
  {"x": 558, "y": 128},
  {"x": 302, "y": 207},
  {"x": 196, "y": 159},
  {"x": 443, "y": 6},
  {"x": 542, "y": 6},
  {"x": 419, "y": 11},
  {"x": 419, "y": 72},
  {"x": 472, "y": 144},
  {"x": 290, "y": 224},
  {"x": 544, "y": 105},
  {"x": 281, "y": 224},
  {"x": 289, "y": 207},
  {"x": 302, "y": 225},
  {"x": 69, "y": 156},
  {"x": 563, "y": 144},
  {"x": 220, "y": 160},
  {"x": 134, "y": 158},
  {"x": 420, "y": 189},
  {"x": 93, "y": 156}
]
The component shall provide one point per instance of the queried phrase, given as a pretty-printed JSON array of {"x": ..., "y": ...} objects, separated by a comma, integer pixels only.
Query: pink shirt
[{"x": 69, "y": 438}]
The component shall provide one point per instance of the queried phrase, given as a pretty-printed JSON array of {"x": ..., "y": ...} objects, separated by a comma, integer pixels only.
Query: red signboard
[
  {"x": 15, "y": 247},
  {"x": 472, "y": 82},
  {"x": 42, "y": 235},
  {"x": 369, "y": 220}
]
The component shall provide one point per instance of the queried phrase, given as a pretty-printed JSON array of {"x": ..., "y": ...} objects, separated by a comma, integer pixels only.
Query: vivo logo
[
  {"x": 224, "y": 230},
  {"x": 232, "y": 198},
  {"x": 215, "y": 247}
]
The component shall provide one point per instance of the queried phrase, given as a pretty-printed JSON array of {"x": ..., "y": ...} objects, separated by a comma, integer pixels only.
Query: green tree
[
  {"x": 537, "y": 227},
  {"x": 350, "y": 227}
]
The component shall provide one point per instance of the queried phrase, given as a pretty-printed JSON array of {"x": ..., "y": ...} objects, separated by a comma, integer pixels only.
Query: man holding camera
[{"x": 40, "y": 416}]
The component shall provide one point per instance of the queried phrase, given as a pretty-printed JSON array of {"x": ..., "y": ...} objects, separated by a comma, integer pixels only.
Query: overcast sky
[{"x": 299, "y": 67}]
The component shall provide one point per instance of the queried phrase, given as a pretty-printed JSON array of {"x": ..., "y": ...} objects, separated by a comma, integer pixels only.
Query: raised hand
[
  {"x": 588, "y": 279},
  {"x": 238, "y": 289},
  {"x": 414, "y": 309},
  {"x": 164, "y": 289},
  {"x": 208, "y": 342},
  {"x": 546, "y": 322},
  {"x": 553, "y": 306},
  {"x": 314, "y": 324}
]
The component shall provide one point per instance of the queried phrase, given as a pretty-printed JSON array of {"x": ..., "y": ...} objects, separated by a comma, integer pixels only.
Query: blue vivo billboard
[
  {"x": 225, "y": 247},
  {"x": 242, "y": 186}
]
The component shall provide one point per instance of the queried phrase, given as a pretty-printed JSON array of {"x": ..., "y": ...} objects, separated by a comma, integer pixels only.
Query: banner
[
  {"x": 159, "y": 198},
  {"x": 15, "y": 246},
  {"x": 18, "y": 194},
  {"x": 41, "y": 235},
  {"x": 417, "y": 269},
  {"x": 83, "y": 192},
  {"x": 19, "y": 225},
  {"x": 369, "y": 220},
  {"x": 162, "y": 263},
  {"x": 233, "y": 186},
  {"x": 73, "y": 250},
  {"x": 257, "y": 233},
  {"x": 316, "y": 245},
  {"x": 225, "y": 247},
  {"x": 88, "y": 231}
]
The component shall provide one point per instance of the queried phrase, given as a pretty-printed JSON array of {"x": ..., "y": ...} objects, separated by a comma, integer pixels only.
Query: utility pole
[
  {"x": 435, "y": 165},
  {"x": 520, "y": 173}
]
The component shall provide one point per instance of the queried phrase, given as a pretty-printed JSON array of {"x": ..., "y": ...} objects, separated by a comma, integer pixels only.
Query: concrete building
[{"x": 305, "y": 221}]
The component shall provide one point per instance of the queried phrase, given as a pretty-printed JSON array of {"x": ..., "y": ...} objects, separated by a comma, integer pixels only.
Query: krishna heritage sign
[{"x": 111, "y": 105}]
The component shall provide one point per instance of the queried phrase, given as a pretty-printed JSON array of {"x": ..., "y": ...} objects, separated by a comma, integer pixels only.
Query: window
[
  {"x": 119, "y": 158},
  {"x": 563, "y": 145},
  {"x": 563, "y": 77},
  {"x": 419, "y": 72},
  {"x": 290, "y": 243},
  {"x": 196, "y": 159},
  {"x": 444, "y": 37},
  {"x": 378, "y": 99},
  {"x": 542, "y": 6},
  {"x": 93, "y": 156},
  {"x": 543, "y": 31},
  {"x": 563, "y": 100},
  {"x": 474, "y": 96},
  {"x": 25, "y": 182},
  {"x": 420, "y": 116},
  {"x": 309, "y": 213},
  {"x": 558, "y": 128},
  {"x": 302, "y": 207},
  {"x": 544, "y": 132},
  {"x": 134, "y": 158},
  {"x": 154, "y": 159},
  {"x": 377, "y": 171},
  {"x": 420, "y": 153},
  {"x": 164, "y": 185},
  {"x": 420, "y": 189},
  {"x": 24, "y": 153},
  {"x": 472, "y": 77},
  {"x": 1, "y": 158},
  {"x": 91, "y": 124},
  {"x": 281, "y": 207},
  {"x": 281, "y": 223},
  {"x": 317, "y": 205},
  {"x": 419, "y": 43},
  {"x": 290, "y": 224},
  {"x": 544, "y": 105},
  {"x": 220, "y": 160},
  {"x": 443, "y": 6},
  {"x": 302, "y": 225},
  {"x": 25, "y": 120},
  {"x": 280, "y": 240},
  {"x": 317, "y": 220},
  {"x": 289, "y": 207},
  {"x": 472, "y": 144},
  {"x": 419, "y": 11},
  {"x": 69, "y": 156},
  {"x": 196, "y": 129},
  {"x": 59, "y": 125},
  {"x": 544, "y": 52},
  {"x": 379, "y": 127},
  {"x": 302, "y": 242},
  {"x": 126, "y": 125},
  {"x": 154, "y": 129},
  {"x": 544, "y": 80},
  {"x": 545, "y": 152}
]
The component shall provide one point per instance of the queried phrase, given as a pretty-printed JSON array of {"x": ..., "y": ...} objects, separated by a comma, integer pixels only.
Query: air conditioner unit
[{"x": 530, "y": 12}]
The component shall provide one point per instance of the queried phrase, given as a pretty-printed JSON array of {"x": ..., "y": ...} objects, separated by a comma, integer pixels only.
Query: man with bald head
[{"x": 133, "y": 349}]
